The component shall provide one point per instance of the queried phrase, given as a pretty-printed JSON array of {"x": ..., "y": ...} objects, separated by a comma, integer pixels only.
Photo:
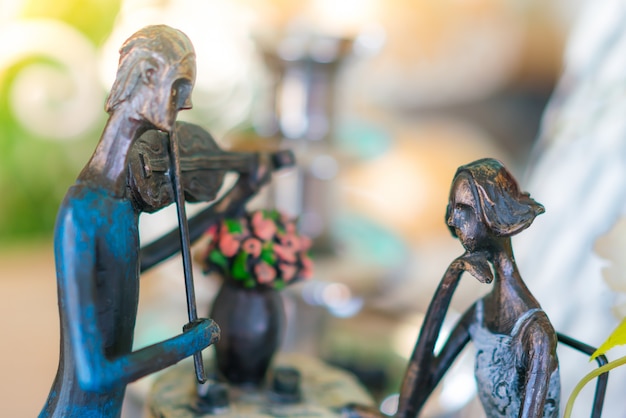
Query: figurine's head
[
  {"x": 486, "y": 204},
  {"x": 155, "y": 76}
]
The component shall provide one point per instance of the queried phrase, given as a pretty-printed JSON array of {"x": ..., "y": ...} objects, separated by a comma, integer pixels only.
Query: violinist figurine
[
  {"x": 96, "y": 238},
  {"x": 516, "y": 367}
]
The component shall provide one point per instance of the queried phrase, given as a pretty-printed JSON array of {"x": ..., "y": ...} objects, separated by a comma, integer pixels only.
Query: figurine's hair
[
  {"x": 503, "y": 207},
  {"x": 149, "y": 48}
]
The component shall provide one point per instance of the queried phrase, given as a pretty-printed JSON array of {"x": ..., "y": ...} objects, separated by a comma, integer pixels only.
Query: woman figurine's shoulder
[{"x": 534, "y": 327}]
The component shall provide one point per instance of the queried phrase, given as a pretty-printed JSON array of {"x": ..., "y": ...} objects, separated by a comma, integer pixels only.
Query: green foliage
[
  {"x": 94, "y": 18},
  {"x": 272, "y": 214},
  {"x": 267, "y": 254},
  {"x": 35, "y": 172},
  {"x": 34, "y": 176},
  {"x": 240, "y": 268},
  {"x": 218, "y": 259},
  {"x": 588, "y": 378},
  {"x": 617, "y": 337},
  {"x": 234, "y": 226}
]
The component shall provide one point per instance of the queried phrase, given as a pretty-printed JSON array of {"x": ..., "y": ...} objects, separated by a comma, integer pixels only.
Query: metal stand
[{"x": 603, "y": 379}]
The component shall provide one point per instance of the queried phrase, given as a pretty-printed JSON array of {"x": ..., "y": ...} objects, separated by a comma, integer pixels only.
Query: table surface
[{"x": 29, "y": 346}]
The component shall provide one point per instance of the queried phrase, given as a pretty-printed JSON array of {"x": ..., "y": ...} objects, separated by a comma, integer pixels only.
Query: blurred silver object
[{"x": 301, "y": 111}]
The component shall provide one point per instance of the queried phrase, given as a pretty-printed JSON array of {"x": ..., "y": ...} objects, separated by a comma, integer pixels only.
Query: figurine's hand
[
  {"x": 475, "y": 264},
  {"x": 206, "y": 330},
  {"x": 260, "y": 175}
]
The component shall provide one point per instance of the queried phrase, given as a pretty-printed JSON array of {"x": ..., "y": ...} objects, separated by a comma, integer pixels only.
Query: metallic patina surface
[
  {"x": 98, "y": 259},
  {"x": 516, "y": 364},
  {"x": 485, "y": 209}
]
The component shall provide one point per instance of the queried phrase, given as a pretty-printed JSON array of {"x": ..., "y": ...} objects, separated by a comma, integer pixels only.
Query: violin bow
[{"x": 185, "y": 245}]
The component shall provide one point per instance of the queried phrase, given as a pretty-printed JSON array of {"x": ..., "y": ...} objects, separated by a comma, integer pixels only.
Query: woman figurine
[{"x": 516, "y": 365}]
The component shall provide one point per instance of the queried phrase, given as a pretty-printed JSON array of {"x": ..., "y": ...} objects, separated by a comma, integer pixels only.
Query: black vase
[{"x": 251, "y": 323}]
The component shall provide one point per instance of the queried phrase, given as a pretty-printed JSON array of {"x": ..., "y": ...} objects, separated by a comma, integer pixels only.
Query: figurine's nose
[
  {"x": 450, "y": 220},
  {"x": 187, "y": 104}
]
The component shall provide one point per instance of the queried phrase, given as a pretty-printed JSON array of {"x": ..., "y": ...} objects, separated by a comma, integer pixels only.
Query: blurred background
[{"x": 380, "y": 100}]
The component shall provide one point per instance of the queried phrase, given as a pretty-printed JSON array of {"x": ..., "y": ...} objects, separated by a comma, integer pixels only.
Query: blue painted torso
[{"x": 96, "y": 239}]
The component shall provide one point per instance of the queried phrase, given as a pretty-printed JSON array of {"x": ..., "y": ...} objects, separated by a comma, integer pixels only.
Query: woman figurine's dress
[{"x": 498, "y": 360}]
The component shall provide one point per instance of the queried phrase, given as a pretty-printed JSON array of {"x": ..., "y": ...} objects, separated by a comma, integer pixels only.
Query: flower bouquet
[{"x": 260, "y": 249}]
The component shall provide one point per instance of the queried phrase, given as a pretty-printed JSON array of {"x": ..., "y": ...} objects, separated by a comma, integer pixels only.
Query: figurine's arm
[
  {"x": 95, "y": 371},
  {"x": 416, "y": 386},
  {"x": 539, "y": 343},
  {"x": 130, "y": 367},
  {"x": 249, "y": 183},
  {"x": 457, "y": 340},
  {"x": 425, "y": 369}
]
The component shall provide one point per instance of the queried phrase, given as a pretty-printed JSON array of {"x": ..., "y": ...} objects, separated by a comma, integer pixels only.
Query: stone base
[{"x": 324, "y": 390}]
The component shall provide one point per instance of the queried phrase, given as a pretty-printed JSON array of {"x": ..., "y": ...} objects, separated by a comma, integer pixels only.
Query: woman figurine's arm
[
  {"x": 95, "y": 371},
  {"x": 417, "y": 384},
  {"x": 439, "y": 365},
  {"x": 457, "y": 340},
  {"x": 539, "y": 345},
  {"x": 425, "y": 369}
]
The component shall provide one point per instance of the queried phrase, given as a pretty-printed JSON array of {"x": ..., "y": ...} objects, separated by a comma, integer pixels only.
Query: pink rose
[
  {"x": 228, "y": 244},
  {"x": 305, "y": 243},
  {"x": 252, "y": 246},
  {"x": 211, "y": 232},
  {"x": 290, "y": 226},
  {"x": 287, "y": 271},
  {"x": 263, "y": 228},
  {"x": 284, "y": 253},
  {"x": 290, "y": 241},
  {"x": 245, "y": 231},
  {"x": 264, "y": 272}
]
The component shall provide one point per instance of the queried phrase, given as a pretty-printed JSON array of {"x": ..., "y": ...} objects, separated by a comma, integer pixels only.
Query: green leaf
[
  {"x": 233, "y": 226},
  {"x": 217, "y": 258},
  {"x": 240, "y": 267},
  {"x": 617, "y": 337},
  {"x": 267, "y": 254},
  {"x": 95, "y": 19},
  {"x": 272, "y": 214},
  {"x": 279, "y": 285},
  {"x": 249, "y": 284}
]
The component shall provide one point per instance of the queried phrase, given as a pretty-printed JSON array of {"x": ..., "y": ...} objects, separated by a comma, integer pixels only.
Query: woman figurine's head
[
  {"x": 486, "y": 203},
  {"x": 155, "y": 76}
]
